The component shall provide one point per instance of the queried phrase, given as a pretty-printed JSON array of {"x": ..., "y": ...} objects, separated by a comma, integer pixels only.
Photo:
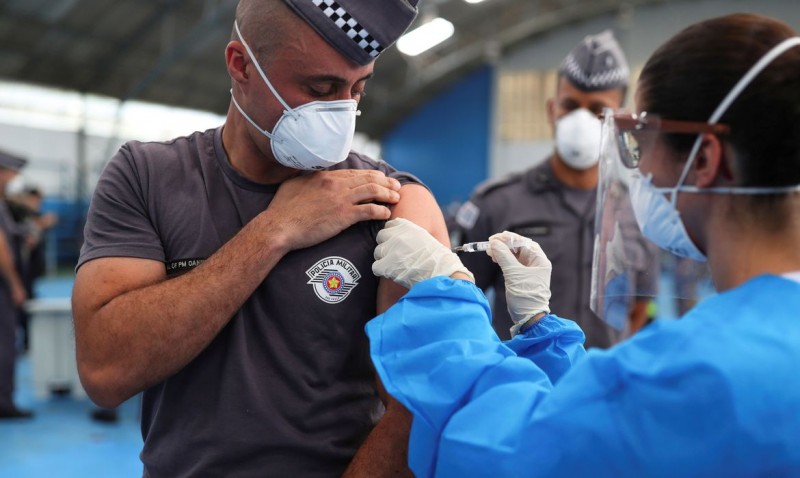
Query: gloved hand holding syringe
[
  {"x": 408, "y": 254},
  {"x": 484, "y": 245}
]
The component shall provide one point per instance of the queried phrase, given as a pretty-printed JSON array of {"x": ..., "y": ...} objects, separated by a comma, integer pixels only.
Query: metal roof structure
[{"x": 172, "y": 51}]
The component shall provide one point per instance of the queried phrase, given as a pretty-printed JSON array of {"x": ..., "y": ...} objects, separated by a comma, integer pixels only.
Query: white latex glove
[
  {"x": 407, "y": 254},
  {"x": 526, "y": 274}
]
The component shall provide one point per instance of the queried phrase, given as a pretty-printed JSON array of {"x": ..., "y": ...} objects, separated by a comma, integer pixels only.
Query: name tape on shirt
[
  {"x": 333, "y": 278},
  {"x": 179, "y": 266}
]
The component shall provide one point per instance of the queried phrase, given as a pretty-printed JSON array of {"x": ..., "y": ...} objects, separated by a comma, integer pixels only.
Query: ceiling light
[
  {"x": 473, "y": 1},
  {"x": 425, "y": 37}
]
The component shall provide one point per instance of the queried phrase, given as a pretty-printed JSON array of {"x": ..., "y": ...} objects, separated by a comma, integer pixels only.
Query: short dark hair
[{"x": 688, "y": 77}]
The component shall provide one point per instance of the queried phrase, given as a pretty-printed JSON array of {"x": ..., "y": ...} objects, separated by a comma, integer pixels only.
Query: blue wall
[{"x": 446, "y": 142}]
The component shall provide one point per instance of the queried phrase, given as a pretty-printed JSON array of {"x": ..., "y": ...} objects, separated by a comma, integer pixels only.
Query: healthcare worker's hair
[{"x": 688, "y": 76}]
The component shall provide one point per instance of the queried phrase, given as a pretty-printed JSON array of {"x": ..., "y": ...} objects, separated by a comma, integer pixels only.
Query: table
[{"x": 52, "y": 348}]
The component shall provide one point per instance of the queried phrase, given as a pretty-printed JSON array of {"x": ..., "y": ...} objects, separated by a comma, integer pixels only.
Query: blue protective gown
[{"x": 714, "y": 394}]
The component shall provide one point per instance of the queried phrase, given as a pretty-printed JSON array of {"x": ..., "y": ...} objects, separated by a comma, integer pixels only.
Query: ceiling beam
[
  {"x": 46, "y": 48},
  {"x": 104, "y": 66},
  {"x": 190, "y": 43}
]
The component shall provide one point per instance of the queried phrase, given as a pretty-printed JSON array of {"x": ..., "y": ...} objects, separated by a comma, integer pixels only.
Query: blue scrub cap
[
  {"x": 359, "y": 29},
  {"x": 597, "y": 63}
]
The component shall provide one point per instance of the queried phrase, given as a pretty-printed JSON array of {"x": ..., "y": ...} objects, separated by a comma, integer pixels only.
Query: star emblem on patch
[{"x": 333, "y": 278}]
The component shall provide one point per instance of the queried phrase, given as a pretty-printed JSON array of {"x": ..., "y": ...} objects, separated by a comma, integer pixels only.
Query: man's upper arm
[
  {"x": 99, "y": 281},
  {"x": 121, "y": 251},
  {"x": 119, "y": 222},
  {"x": 418, "y": 205}
]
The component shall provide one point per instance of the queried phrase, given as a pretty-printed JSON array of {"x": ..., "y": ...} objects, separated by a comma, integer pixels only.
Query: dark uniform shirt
[
  {"x": 287, "y": 387},
  {"x": 561, "y": 219},
  {"x": 8, "y": 315}
]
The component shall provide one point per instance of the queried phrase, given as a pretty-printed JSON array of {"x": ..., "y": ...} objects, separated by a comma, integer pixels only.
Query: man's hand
[
  {"x": 526, "y": 274},
  {"x": 18, "y": 294},
  {"x": 313, "y": 208},
  {"x": 407, "y": 254}
]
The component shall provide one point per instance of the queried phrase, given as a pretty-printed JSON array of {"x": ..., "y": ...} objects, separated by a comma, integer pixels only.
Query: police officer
[
  {"x": 554, "y": 202},
  {"x": 12, "y": 291}
]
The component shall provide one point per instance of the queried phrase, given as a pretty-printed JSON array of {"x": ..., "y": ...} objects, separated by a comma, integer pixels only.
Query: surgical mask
[
  {"x": 312, "y": 136},
  {"x": 578, "y": 138},
  {"x": 659, "y": 220},
  {"x": 657, "y": 216}
]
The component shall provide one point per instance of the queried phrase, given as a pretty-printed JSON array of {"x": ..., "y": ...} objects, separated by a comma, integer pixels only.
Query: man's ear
[
  {"x": 551, "y": 114},
  {"x": 236, "y": 61},
  {"x": 711, "y": 165}
]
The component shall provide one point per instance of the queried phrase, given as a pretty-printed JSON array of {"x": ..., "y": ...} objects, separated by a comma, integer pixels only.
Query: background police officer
[{"x": 554, "y": 202}]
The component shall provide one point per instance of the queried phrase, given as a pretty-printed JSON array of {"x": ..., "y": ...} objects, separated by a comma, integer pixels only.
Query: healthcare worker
[{"x": 713, "y": 164}]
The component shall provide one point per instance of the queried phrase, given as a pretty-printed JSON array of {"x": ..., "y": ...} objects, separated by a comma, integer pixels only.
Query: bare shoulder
[{"x": 418, "y": 205}]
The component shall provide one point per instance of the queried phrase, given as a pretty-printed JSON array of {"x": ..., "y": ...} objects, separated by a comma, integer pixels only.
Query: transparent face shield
[{"x": 627, "y": 266}]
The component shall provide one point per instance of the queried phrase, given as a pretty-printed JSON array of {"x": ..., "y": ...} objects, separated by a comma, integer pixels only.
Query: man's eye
[
  {"x": 318, "y": 93},
  {"x": 568, "y": 107}
]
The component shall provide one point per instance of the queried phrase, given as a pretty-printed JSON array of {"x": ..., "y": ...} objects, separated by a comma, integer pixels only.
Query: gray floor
[{"x": 62, "y": 441}]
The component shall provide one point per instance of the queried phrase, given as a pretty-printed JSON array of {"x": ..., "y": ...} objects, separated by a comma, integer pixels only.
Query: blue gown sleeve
[
  {"x": 554, "y": 344},
  {"x": 543, "y": 352},
  {"x": 482, "y": 410}
]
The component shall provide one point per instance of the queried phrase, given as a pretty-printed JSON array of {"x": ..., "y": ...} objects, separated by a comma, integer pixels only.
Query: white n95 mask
[
  {"x": 578, "y": 136},
  {"x": 315, "y": 135}
]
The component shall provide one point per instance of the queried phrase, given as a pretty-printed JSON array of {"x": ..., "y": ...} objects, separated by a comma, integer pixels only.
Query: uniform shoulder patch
[
  {"x": 333, "y": 278},
  {"x": 467, "y": 215}
]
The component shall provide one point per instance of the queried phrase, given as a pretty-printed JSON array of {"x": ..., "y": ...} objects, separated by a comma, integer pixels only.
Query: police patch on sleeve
[
  {"x": 467, "y": 215},
  {"x": 333, "y": 278}
]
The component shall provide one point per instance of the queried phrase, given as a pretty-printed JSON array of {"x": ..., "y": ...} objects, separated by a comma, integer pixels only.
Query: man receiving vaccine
[{"x": 553, "y": 203}]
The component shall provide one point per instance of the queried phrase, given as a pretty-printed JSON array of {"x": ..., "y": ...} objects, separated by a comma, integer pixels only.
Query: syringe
[{"x": 484, "y": 245}]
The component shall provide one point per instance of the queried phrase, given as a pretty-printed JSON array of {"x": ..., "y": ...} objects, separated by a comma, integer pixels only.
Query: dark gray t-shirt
[
  {"x": 287, "y": 387},
  {"x": 536, "y": 205}
]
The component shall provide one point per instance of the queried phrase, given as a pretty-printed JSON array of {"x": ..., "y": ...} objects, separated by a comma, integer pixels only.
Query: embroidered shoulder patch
[
  {"x": 333, "y": 278},
  {"x": 467, "y": 215}
]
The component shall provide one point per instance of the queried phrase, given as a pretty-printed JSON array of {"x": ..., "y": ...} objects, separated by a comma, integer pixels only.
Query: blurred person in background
[
  {"x": 554, "y": 203},
  {"x": 12, "y": 290},
  {"x": 26, "y": 209},
  {"x": 712, "y": 156},
  {"x": 226, "y": 274}
]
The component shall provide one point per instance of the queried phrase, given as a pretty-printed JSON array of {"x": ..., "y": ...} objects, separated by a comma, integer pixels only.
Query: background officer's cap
[
  {"x": 597, "y": 63},
  {"x": 9, "y": 161}
]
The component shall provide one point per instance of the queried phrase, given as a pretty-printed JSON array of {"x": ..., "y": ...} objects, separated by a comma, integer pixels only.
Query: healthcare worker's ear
[
  {"x": 711, "y": 165},
  {"x": 236, "y": 61}
]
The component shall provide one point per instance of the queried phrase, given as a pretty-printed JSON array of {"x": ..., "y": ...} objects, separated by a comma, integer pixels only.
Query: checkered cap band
[
  {"x": 613, "y": 78},
  {"x": 350, "y": 26}
]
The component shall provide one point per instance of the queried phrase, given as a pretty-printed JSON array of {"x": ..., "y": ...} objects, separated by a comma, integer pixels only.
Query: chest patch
[{"x": 333, "y": 278}]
